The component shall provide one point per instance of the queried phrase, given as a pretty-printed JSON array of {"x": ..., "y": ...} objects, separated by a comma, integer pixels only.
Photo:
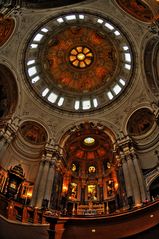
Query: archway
[
  {"x": 8, "y": 92},
  {"x": 154, "y": 188},
  {"x": 90, "y": 184}
]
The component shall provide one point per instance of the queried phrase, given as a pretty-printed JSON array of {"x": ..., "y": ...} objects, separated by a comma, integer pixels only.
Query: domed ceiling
[
  {"x": 89, "y": 143},
  {"x": 78, "y": 62},
  {"x": 81, "y": 60}
]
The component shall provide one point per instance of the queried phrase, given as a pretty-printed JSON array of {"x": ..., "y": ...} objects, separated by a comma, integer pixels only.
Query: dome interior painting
[
  {"x": 151, "y": 70},
  {"x": 137, "y": 8},
  {"x": 8, "y": 92},
  {"x": 140, "y": 122},
  {"x": 6, "y": 28},
  {"x": 33, "y": 132},
  {"x": 77, "y": 65}
]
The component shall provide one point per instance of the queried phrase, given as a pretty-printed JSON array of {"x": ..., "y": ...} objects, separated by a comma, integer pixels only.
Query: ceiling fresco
[
  {"x": 6, "y": 28},
  {"x": 33, "y": 132},
  {"x": 140, "y": 122},
  {"x": 99, "y": 145},
  {"x": 137, "y": 9},
  {"x": 78, "y": 61},
  {"x": 71, "y": 73}
]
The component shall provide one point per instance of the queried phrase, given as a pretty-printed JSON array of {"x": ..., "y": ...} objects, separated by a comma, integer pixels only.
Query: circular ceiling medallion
[
  {"x": 78, "y": 62},
  {"x": 81, "y": 57}
]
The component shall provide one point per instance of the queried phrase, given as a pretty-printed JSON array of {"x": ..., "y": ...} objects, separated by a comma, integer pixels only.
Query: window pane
[
  {"x": 77, "y": 105},
  {"x": 116, "y": 89},
  {"x": 60, "y": 102},
  {"x": 34, "y": 45},
  {"x": 44, "y": 29},
  {"x": 30, "y": 62},
  {"x": 100, "y": 21},
  {"x": 127, "y": 66},
  {"x": 95, "y": 102},
  {"x": 52, "y": 97},
  {"x": 117, "y": 33},
  {"x": 35, "y": 79},
  {"x": 60, "y": 20},
  {"x": 71, "y": 17},
  {"x": 44, "y": 93},
  {"x": 122, "y": 82},
  {"x": 109, "y": 26},
  {"x": 110, "y": 95},
  {"x": 86, "y": 104},
  {"x": 81, "y": 16},
  {"x": 127, "y": 57},
  {"x": 32, "y": 71},
  {"x": 38, "y": 37},
  {"x": 125, "y": 48}
]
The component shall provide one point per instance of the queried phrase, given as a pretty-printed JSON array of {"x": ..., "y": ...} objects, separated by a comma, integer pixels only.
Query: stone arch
[
  {"x": 151, "y": 62},
  {"x": 111, "y": 130},
  {"x": 89, "y": 151},
  {"x": 151, "y": 177},
  {"x": 154, "y": 186},
  {"x": 8, "y": 92}
]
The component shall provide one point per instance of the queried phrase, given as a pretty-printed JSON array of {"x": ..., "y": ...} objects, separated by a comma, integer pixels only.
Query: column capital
[{"x": 11, "y": 128}]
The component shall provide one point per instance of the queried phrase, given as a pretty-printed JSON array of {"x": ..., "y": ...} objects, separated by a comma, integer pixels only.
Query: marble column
[
  {"x": 127, "y": 178},
  {"x": 140, "y": 178},
  {"x": 36, "y": 185},
  {"x": 49, "y": 182},
  {"x": 42, "y": 184},
  {"x": 134, "y": 181}
]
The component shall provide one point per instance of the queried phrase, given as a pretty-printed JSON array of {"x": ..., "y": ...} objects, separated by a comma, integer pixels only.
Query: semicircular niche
[
  {"x": 137, "y": 9},
  {"x": 8, "y": 92},
  {"x": 33, "y": 132},
  {"x": 6, "y": 28},
  {"x": 151, "y": 63},
  {"x": 140, "y": 122}
]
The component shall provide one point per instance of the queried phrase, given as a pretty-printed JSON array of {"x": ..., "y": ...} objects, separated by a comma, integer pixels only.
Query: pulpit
[{"x": 15, "y": 178}]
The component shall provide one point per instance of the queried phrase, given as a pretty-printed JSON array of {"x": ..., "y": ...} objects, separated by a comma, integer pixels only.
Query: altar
[{"x": 90, "y": 210}]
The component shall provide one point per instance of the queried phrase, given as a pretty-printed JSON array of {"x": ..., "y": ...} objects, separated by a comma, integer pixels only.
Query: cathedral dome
[{"x": 78, "y": 62}]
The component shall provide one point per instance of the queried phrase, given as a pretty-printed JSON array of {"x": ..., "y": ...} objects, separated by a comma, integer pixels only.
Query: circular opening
[{"x": 89, "y": 141}]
